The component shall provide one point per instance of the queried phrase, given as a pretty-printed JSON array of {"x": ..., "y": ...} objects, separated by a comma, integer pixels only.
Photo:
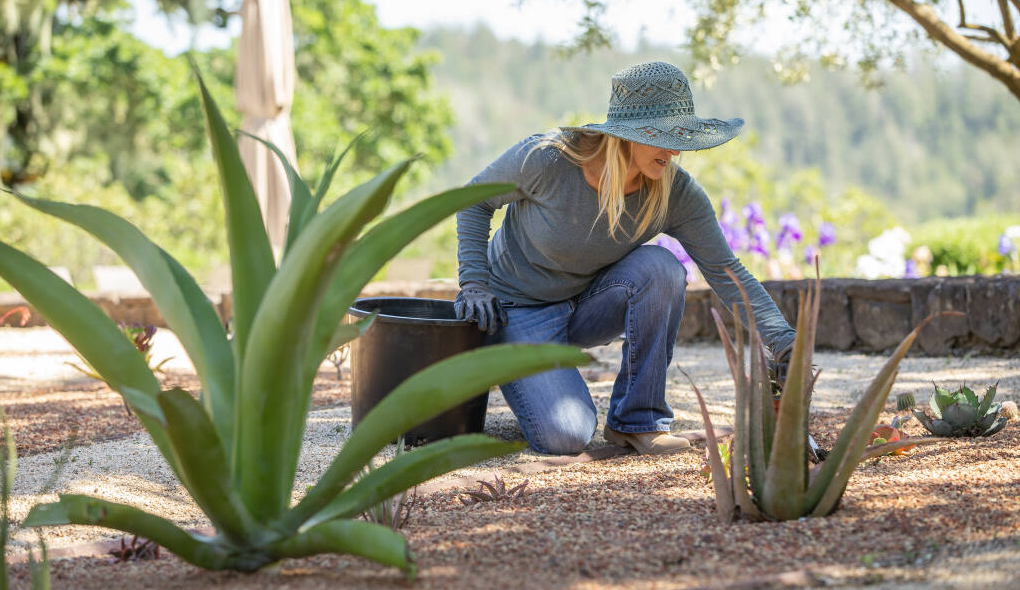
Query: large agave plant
[
  {"x": 235, "y": 449},
  {"x": 961, "y": 413},
  {"x": 770, "y": 477}
]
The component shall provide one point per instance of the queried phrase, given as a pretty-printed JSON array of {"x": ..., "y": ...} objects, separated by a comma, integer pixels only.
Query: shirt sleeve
[
  {"x": 695, "y": 226},
  {"x": 521, "y": 165}
]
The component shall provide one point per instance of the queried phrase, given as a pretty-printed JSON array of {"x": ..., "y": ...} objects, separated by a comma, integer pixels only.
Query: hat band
[{"x": 683, "y": 108}]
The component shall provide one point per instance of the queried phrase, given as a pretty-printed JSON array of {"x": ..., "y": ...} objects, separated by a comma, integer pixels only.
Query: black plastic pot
[{"x": 408, "y": 335}]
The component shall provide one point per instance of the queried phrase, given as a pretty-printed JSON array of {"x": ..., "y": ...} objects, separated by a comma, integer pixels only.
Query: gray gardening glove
[
  {"x": 476, "y": 303},
  {"x": 778, "y": 367}
]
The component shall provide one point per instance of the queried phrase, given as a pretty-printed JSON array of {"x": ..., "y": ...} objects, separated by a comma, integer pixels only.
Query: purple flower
[
  {"x": 755, "y": 217},
  {"x": 789, "y": 231},
  {"x": 826, "y": 234},
  {"x": 910, "y": 270},
  {"x": 674, "y": 246},
  {"x": 760, "y": 239},
  {"x": 1006, "y": 245},
  {"x": 809, "y": 253}
]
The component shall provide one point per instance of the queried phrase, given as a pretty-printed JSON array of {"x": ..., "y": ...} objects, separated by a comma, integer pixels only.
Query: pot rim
[{"x": 361, "y": 308}]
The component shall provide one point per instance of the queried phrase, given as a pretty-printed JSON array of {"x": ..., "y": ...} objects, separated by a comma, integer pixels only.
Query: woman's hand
[{"x": 476, "y": 303}]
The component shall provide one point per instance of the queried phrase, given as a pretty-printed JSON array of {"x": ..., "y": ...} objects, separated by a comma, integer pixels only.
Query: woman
[{"x": 568, "y": 265}]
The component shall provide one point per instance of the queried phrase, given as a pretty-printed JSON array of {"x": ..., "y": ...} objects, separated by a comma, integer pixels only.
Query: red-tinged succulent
[
  {"x": 25, "y": 315},
  {"x": 493, "y": 492}
]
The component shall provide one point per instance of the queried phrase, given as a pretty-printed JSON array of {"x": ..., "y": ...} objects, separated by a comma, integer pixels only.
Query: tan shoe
[{"x": 647, "y": 443}]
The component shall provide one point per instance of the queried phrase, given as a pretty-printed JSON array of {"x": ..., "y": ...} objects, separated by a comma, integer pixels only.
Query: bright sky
[{"x": 554, "y": 21}]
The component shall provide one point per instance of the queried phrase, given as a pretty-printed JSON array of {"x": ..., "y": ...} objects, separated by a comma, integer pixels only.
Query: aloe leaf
[
  {"x": 738, "y": 455},
  {"x": 724, "y": 504},
  {"x": 846, "y": 462},
  {"x": 78, "y": 509},
  {"x": 410, "y": 469},
  {"x": 204, "y": 469},
  {"x": 300, "y": 194},
  {"x": 857, "y": 425},
  {"x": 368, "y": 254},
  {"x": 251, "y": 257},
  {"x": 786, "y": 476},
  {"x": 986, "y": 401},
  {"x": 96, "y": 338},
  {"x": 354, "y": 537},
  {"x": 275, "y": 386},
  {"x": 425, "y": 394},
  {"x": 873, "y": 451}
]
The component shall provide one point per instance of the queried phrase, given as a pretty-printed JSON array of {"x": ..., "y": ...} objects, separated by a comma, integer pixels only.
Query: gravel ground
[{"x": 944, "y": 516}]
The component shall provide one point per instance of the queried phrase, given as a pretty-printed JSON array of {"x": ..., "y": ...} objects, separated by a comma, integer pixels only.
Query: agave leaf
[
  {"x": 858, "y": 425},
  {"x": 940, "y": 400},
  {"x": 205, "y": 471},
  {"x": 327, "y": 176},
  {"x": 960, "y": 415},
  {"x": 367, "y": 255},
  {"x": 300, "y": 194},
  {"x": 410, "y": 469},
  {"x": 251, "y": 258},
  {"x": 96, "y": 338},
  {"x": 989, "y": 418},
  {"x": 355, "y": 537},
  {"x": 348, "y": 332},
  {"x": 275, "y": 388},
  {"x": 873, "y": 451},
  {"x": 187, "y": 311},
  {"x": 940, "y": 427},
  {"x": 970, "y": 396},
  {"x": 724, "y": 504},
  {"x": 423, "y": 395},
  {"x": 78, "y": 509},
  {"x": 924, "y": 420},
  {"x": 997, "y": 426},
  {"x": 986, "y": 401}
]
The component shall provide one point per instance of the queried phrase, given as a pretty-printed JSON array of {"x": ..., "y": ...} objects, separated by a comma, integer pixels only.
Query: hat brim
[{"x": 685, "y": 134}]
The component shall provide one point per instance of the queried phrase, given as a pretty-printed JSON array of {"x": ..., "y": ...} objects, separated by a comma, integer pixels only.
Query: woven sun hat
[{"x": 651, "y": 104}]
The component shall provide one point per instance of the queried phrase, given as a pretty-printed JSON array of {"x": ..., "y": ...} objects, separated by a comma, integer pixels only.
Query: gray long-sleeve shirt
[{"x": 553, "y": 242}]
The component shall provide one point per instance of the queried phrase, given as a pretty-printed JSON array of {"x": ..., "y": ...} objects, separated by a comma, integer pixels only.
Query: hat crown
[{"x": 650, "y": 90}]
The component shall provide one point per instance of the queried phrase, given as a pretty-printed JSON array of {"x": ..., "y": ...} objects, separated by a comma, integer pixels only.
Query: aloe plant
[
  {"x": 235, "y": 449},
  {"x": 961, "y": 413},
  {"x": 770, "y": 448}
]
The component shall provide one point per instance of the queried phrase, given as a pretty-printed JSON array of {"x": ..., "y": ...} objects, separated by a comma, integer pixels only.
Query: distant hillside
[{"x": 932, "y": 143}]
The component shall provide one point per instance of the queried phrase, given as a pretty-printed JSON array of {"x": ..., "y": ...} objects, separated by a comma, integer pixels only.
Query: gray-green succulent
[
  {"x": 235, "y": 448},
  {"x": 961, "y": 413}
]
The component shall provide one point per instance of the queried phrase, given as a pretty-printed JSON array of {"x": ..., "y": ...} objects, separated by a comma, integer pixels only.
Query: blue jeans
[{"x": 641, "y": 297}]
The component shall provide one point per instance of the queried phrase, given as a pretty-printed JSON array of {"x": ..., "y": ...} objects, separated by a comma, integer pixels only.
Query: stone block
[
  {"x": 993, "y": 311},
  {"x": 928, "y": 296},
  {"x": 692, "y": 324},
  {"x": 835, "y": 319},
  {"x": 881, "y": 312}
]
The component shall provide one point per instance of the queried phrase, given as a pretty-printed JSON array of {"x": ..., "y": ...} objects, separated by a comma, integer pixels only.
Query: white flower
[{"x": 1013, "y": 233}]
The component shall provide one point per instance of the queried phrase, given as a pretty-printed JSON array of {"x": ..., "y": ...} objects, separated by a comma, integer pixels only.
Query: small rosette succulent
[{"x": 961, "y": 413}]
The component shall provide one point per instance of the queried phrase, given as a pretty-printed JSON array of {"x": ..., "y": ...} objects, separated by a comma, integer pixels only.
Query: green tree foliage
[
  {"x": 104, "y": 119},
  {"x": 869, "y": 33}
]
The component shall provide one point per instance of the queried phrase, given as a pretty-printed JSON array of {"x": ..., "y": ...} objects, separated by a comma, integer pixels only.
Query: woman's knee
[
  {"x": 663, "y": 272},
  {"x": 567, "y": 431}
]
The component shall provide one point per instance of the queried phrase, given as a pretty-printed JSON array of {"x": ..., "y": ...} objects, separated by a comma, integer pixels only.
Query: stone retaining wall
[{"x": 856, "y": 314}]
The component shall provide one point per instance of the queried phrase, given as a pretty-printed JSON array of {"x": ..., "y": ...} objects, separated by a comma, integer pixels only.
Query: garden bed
[{"x": 947, "y": 514}]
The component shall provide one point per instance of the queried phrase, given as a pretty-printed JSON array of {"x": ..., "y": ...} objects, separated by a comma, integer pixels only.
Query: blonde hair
[{"x": 583, "y": 147}]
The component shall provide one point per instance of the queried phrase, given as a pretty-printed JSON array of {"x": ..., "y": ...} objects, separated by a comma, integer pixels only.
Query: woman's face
[{"x": 650, "y": 161}]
